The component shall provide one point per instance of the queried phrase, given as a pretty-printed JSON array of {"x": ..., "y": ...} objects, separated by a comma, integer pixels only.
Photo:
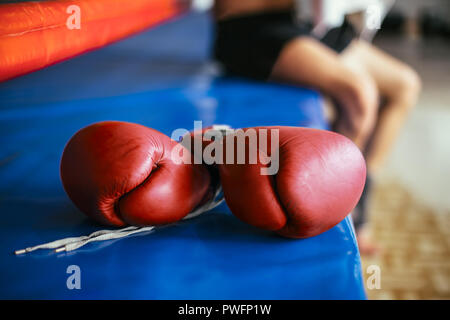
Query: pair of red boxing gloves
[{"x": 298, "y": 182}]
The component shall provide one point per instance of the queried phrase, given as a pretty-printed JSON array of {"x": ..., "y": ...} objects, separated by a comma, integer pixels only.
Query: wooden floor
[{"x": 415, "y": 261}]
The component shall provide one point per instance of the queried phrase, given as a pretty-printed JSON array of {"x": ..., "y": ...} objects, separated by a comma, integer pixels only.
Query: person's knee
[
  {"x": 364, "y": 93},
  {"x": 408, "y": 88}
]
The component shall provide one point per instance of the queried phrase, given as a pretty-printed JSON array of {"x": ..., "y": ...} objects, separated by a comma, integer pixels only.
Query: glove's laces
[{"x": 73, "y": 243}]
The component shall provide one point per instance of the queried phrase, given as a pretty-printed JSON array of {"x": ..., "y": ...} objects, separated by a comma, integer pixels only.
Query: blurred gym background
[{"x": 410, "y": 208}]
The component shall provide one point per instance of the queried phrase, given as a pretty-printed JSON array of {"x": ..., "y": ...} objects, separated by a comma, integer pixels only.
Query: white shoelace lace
[{"x": 73, "y": 243}]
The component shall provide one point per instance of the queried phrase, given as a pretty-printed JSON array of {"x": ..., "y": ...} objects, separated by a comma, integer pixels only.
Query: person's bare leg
[
  {"x": 305, "y": 61},
  {"x": 397, "y": 83},
  {"x": 399, "y": 86}
]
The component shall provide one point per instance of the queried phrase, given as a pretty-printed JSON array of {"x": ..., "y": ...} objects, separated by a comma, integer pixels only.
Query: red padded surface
[{"x": 34, "y": 35}]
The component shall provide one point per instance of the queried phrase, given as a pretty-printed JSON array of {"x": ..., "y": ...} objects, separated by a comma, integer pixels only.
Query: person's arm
[
  {"x": 320, "y": 24},
  {"x": 317, "y": 11}
]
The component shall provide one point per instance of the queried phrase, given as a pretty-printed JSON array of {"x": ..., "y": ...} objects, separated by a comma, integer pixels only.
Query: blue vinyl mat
[{"x": 161, "y": 78}]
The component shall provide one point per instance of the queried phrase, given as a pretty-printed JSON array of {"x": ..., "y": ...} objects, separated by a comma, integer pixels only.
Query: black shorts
[{"x": 249, "y": 45}]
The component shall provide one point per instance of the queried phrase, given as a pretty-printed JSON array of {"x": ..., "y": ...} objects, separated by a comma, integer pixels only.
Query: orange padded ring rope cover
[{"x": 34, "y": 35}]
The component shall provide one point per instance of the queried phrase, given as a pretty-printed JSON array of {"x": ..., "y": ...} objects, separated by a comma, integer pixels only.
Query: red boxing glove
[
  {"x": 122, "y": 173},
  {"x": 303, "y": 182}
]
